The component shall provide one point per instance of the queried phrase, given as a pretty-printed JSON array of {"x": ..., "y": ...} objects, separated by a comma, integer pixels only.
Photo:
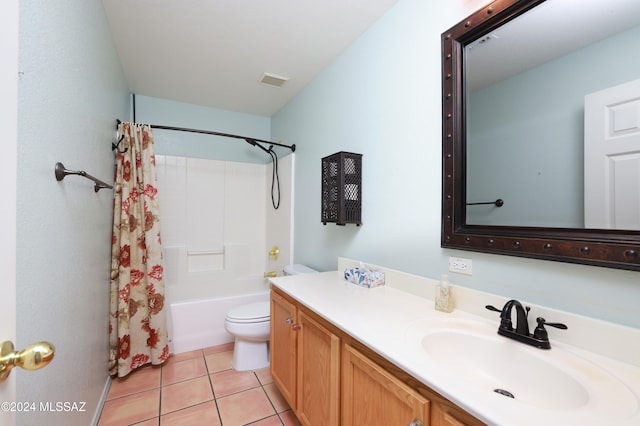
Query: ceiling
[{"x": 214, "y": 52}]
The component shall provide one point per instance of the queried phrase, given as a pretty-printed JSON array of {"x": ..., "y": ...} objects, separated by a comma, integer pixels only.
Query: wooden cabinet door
[
  {"x": 449, "y": 420},
  {"x": 371, "y": 396},
  {"x": 447, "y": 414},
  {"x": 283, "y": 349},
  {"x": 318, "y": 373}
]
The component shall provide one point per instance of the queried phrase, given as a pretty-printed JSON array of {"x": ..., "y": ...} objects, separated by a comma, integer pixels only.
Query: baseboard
[{"x": 101, "y": 401}]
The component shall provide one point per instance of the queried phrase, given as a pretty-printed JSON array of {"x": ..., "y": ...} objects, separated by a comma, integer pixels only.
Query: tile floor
[{"x": 196, "y": 388}]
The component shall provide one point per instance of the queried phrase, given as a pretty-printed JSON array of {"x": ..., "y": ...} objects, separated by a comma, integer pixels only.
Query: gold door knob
[
  {"x": 33, "y": 357},
  {"x": 274, "y": 252}
]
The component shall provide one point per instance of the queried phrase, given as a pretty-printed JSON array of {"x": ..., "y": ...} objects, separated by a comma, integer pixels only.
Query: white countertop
[{"x": 387, "y": 320}]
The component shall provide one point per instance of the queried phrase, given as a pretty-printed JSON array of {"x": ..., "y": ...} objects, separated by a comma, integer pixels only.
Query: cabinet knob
[
  {"x": 289, "y": 320},
  {"x": 416, "y": 422},
  {"x": 296, "y": 327}
]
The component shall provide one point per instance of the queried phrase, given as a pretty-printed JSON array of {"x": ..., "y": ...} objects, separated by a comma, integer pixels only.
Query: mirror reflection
[{"x": 529, "y": 84}]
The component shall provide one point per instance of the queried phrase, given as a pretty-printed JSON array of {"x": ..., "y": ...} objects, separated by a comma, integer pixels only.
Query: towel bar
[{"x": 61, "y": 172}]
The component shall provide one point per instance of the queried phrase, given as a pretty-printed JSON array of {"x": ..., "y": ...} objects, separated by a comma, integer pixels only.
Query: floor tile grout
[
  {"x": 202, "y": 355},
  {"x": 213, "y": 391}
]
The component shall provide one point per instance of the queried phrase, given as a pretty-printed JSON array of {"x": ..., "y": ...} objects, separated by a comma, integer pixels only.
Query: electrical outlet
[{"x": 460, "y": 265}]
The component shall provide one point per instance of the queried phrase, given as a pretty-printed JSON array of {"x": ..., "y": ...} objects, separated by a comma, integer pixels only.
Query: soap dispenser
[{"x": 443, "y": 297}]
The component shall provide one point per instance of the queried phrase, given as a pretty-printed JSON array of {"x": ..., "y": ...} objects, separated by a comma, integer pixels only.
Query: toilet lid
[{"x": 251, "y": 312}]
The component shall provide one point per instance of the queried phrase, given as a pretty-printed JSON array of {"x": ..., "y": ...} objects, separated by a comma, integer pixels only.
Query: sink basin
[
  {"x": 556, "y": 379},
  {"x": 505, "y": 368}
]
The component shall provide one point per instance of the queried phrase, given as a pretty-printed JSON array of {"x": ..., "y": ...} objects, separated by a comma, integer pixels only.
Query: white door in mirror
[{"x": 612, "y": 158}]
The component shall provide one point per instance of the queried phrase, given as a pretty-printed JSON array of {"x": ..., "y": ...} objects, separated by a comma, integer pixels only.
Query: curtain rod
[
  {"x": 227, "y": 135},
  {"x": 252, "y": 141}
]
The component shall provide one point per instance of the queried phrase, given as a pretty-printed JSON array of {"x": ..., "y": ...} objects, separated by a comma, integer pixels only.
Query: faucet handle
[
  {"x": 505, "y": 321},
  {"x": 553, "y": 324},
  {"x": 541, "y": 333},
  {"x": 493, "y": 308}
]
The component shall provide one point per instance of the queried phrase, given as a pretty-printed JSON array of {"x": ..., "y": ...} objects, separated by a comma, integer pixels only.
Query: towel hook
[{"x": 115, "y": 145}]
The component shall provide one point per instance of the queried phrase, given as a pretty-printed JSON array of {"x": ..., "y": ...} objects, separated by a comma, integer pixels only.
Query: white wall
[
  {"x": 71, "y": 90},
  {"x": 9, "y": 125},
  {"x": 381, "y": 98}
]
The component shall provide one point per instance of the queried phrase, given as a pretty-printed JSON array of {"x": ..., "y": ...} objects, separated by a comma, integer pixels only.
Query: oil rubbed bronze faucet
[{"x": 539, "y": 338}]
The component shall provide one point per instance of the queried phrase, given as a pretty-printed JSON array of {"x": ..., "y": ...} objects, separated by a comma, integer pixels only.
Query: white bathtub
[{"x": 198, "y": 324}]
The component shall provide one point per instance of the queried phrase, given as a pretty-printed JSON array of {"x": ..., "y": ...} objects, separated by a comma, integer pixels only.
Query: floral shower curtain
[{"x": 137, "y": 323}]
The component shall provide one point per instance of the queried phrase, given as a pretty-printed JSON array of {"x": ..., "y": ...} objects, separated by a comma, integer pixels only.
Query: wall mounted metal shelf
[{"x": 342, "y": 188}]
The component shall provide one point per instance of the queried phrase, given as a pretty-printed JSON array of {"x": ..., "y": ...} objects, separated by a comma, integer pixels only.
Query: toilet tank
[{"x": 297, "y": 269}]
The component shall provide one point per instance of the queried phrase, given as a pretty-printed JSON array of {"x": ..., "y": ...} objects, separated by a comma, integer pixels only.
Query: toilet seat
[{"x": 249, "y": 313}]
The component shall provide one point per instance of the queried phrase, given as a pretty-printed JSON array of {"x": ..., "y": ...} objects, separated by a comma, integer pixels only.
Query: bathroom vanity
[
  {"x": 343, "y": 354},
  {"x": 329, "y": 378}
]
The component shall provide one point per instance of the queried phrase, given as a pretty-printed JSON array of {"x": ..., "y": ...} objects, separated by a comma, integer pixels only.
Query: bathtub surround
[
  {"x": 217, "y": 227},
  {"x": 137, "y": 321},
  {"x": 216, "y": 217}
]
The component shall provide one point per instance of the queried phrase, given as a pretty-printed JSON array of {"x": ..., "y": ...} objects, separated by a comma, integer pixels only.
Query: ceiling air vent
[{"x": 273, "y": 79}]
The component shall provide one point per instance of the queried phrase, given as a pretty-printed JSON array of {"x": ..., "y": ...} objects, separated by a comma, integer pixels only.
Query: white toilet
[
  {"x": 250, "y": 325},
  {"x": 297, "y": 269}
]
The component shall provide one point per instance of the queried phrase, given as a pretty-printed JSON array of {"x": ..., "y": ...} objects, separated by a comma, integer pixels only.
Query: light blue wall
[
  {"x": 164, "y": 112},
  {"x": 71, "y": 90},
  {"x": 381, "y": 98},
  {"x": 528, "y": 132}
]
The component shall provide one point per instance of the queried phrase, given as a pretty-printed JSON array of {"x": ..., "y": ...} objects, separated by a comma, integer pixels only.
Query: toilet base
[{"x": 250, "y": 355}]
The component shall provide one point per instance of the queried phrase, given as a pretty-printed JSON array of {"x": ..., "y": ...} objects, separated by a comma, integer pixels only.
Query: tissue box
[{"x": 364, "y": 277}]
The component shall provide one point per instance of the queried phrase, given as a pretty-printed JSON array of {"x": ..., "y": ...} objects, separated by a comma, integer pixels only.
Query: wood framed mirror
[{"x": 570, "y": 236}]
